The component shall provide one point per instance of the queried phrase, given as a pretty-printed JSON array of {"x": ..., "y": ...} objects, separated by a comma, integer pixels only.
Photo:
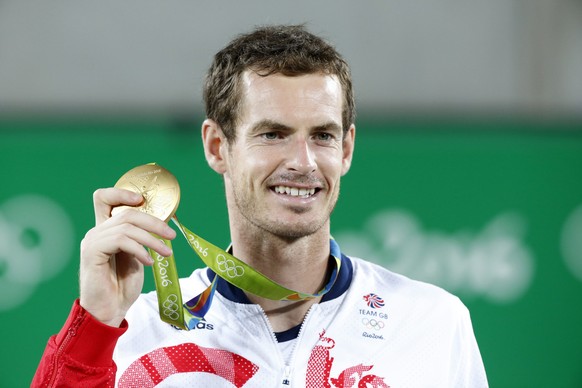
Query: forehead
[{"x": 307, "y": 97}]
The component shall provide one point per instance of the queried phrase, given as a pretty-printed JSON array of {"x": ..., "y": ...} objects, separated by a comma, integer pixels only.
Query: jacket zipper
[
  {"x": 286, "y": 380},
  {"x": 287, "y": 372},
  {"x": 71, "y": 332},
  {"x": 286, "y": 376}
]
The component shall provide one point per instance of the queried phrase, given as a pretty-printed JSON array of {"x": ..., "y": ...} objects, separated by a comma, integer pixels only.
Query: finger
[
  {"x": 139, "y": 227},
  {"x": 144, "y": 221},
  {"x": 105, "y": 199},
  {"x": 142, "y": 238},
  {"x": 132, "y": 248},
  {"x": 98, "y": 247}
]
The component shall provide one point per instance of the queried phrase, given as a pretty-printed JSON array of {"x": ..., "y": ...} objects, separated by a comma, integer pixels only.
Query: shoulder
[{"x": 401, "y": 290}]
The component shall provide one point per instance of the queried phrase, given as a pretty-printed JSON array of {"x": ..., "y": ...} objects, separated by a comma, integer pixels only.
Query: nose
[{"x": 301, "y": 157}]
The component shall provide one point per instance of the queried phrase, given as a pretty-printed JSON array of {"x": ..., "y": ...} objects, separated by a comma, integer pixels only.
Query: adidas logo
[{"x": 202, "y": 325}]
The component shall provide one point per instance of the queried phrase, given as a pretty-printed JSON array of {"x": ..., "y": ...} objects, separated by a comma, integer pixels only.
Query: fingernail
[{"x": 149, "y": 260}]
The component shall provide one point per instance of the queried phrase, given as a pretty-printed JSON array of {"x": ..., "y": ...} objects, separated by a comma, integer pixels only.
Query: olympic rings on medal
[
  {"x": 373, "y": 324},
  {"x": 171, "y": 307},
  {"x": 228, "y": 267}
]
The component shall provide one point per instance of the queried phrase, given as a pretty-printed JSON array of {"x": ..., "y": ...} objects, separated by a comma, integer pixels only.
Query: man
[{"x": 280, "y": 130}]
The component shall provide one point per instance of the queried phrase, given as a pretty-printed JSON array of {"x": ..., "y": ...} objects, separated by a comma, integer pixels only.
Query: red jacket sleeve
[{"x": 81, "y": 355}]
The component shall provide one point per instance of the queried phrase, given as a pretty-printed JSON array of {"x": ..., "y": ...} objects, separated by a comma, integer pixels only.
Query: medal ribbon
[{"x": 238, "y": 273}]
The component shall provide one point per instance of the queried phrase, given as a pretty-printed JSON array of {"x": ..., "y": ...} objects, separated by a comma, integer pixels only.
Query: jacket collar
[{"x": 340, "y": 286}]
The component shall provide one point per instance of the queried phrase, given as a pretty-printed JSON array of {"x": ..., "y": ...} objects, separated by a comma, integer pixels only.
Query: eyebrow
[
  {"x": 272, "y": 125},
  {"x": 328, "y": 127}
]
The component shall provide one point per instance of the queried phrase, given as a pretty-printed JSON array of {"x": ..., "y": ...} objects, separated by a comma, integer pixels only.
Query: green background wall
[{"x": 490, "y": 210}]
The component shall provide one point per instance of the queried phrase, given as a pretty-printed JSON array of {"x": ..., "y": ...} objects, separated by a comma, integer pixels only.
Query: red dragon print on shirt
[{"x": 319, "y": 370}]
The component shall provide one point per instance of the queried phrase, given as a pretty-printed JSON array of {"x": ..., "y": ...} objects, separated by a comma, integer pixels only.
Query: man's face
[{"x": 284, "y": 167}]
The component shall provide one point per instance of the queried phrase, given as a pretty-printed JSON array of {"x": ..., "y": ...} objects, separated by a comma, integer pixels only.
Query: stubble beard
[{"x": 248, "y": 208}]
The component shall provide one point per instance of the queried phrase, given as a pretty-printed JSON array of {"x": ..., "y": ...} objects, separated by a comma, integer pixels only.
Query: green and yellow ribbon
[{"x": 238, "y": 273}]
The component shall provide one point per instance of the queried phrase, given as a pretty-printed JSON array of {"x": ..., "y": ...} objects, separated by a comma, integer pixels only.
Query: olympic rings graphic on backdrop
[
  {"x": 228, "y": 267},
  {"x": 373, "y": 324},
  {"x": 171, "y": 307}
]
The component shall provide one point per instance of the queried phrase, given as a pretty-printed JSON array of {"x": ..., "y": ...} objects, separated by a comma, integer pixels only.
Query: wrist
[{"x": 106, "y": 318}]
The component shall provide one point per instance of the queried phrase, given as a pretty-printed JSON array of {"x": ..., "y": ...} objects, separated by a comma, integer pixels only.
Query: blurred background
[{"x": 467, "y": 172}]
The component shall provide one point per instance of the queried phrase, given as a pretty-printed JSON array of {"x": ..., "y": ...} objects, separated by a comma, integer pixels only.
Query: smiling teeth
[{"x": 294, "y": 192}]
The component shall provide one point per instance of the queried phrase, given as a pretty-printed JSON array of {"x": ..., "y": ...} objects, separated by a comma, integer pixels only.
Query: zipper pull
[{"x": 286, "y": 376}]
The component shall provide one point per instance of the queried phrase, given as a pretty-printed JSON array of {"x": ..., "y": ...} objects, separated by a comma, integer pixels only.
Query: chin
[{"x": 293, "y": 231}]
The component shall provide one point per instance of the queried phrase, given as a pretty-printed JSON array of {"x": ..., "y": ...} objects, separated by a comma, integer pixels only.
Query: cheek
[
  {"x": 251, "y": 169},
  {"x": 262, "y": 163},
  {"x": 332, "y": 167}
]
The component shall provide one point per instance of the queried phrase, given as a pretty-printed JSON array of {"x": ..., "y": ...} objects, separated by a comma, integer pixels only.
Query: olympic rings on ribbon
[
  {"x": 373, "y": 324},
  {"x": 228, "y": 267},
  {"x": 171, "y": 307}
]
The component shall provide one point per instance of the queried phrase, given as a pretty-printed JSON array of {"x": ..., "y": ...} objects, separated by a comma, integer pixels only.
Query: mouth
[{"x": 297, "y": 192}]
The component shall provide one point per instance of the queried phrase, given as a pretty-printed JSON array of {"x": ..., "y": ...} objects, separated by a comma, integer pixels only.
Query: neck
[{"x": 299, "y": 264}]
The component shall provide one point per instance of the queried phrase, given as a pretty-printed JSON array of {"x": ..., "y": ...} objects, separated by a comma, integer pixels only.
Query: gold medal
[{"x": 159, "y": 188}]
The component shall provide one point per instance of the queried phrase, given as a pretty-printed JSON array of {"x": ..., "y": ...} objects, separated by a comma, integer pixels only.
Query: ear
[
  {"x": 348, "y": 149},
  {"x": 215, "y": 145}
]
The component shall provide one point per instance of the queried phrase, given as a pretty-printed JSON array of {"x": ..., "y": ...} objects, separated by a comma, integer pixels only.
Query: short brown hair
[{"x": 288, "y": 50}]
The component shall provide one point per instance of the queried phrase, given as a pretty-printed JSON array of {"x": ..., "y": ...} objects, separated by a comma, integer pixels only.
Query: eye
[
  {"x": 323, "y": 136},
  {"x": 270, "y": 135}
]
